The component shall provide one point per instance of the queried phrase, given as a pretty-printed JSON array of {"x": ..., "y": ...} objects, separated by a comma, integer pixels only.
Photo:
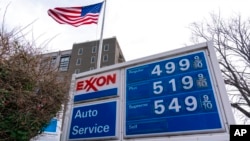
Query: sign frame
[
  {"x": 226, "y": 116},
  {"x": 177, "y": 132}
]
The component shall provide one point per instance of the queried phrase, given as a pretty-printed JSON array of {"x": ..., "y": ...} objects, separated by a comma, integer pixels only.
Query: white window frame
[
  {"x": 105, "y": 58},
  {"x": 92, "y": 59},
  {"x": 94, "y": 48},
  {"x": 78, "y": 61},
  {"x": 77, "y": 71},
  {"x": 80, "y": 51},
  {"x": 106, "y": 47},
  {"x": 64, "y": 63}
]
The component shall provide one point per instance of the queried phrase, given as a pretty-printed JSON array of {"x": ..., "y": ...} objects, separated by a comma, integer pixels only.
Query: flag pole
[{"x": 101, "y": 38}]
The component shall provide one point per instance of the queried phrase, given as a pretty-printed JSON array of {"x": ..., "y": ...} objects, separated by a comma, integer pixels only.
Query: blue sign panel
[
  {"x": 93, "y": 121},
  {"x": 51, "y": 126},
  {"x": 93, "y": 95},
  {"x": 170, "y": 96}
]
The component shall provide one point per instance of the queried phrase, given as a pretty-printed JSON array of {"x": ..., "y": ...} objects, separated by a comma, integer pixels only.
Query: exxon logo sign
[{"x": 97, "y": 83}]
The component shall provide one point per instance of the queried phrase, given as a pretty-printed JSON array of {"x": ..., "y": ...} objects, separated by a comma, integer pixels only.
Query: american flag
[{"x": 76, "y": 16}]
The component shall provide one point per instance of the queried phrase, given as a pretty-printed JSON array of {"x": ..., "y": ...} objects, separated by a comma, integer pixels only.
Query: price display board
[{"x": 171, "y": 96}]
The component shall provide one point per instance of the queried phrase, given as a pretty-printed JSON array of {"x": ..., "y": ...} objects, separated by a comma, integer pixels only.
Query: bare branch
[{"x": 232, "y": 42}]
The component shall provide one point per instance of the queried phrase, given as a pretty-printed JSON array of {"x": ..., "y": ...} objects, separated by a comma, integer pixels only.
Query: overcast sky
[{"x": 142, "y": 27}]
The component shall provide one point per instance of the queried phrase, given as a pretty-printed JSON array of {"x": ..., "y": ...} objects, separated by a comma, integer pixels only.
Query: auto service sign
[
  {"x": 92, "y": 121},
  {"x": 97, "y": 86}
]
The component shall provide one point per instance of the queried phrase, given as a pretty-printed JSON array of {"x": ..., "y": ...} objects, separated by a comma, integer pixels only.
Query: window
[
  {"x": 92, "y": 59},
  {"x": 53, "y": 61},
  {"x": 80, "y": 51},
  {"x": 94, "y": 49},
  {"x": 106, "y": 47},
  {"x": 105, "y": 58},
  {"x": 64, "y": 63},
  {"x": 78, "y": 61},
  {"x": 91, "y": 68},
  {"x": 77, "y": 71}
]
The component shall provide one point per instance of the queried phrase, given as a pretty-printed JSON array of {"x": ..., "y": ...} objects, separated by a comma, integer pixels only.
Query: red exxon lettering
[{"x": 94, "y": 82}]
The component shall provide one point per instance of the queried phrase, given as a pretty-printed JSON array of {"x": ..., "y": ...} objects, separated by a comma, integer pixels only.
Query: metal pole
[{"x": 99, "y": 57}]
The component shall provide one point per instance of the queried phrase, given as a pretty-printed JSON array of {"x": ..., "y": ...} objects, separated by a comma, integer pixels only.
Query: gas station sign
[{"x": 176, "y": 93}]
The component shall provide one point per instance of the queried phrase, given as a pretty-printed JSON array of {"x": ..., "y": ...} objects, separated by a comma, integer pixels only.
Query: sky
[{"x": 142, "y": 27}]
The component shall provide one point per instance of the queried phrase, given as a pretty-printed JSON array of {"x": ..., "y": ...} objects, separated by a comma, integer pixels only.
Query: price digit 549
[{"x": 190, "y": 104}]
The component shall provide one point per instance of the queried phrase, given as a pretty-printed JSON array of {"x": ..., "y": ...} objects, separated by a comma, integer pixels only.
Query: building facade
[{"x": 83, "y": 56}]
